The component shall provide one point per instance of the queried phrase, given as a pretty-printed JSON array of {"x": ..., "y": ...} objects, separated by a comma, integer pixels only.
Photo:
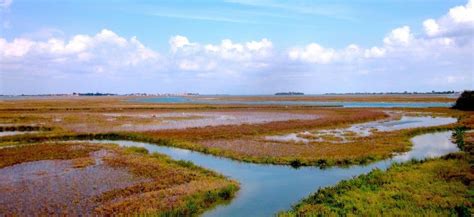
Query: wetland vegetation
[
  {"x": 234, "y": 131},
  {"x": 77, "y": 178},
  {"x": 236, "y": 108},
  {"x": 433, "y": 187}
]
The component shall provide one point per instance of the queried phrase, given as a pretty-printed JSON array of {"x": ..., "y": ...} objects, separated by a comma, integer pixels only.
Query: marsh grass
[
  {"x": 24, "y": 128},
  {"x": 458, "y": 135},
  {"x": 241, "y": 142},
  {"x": 380, "y": 145},
  {"x": 83, "y": 162},
  {"x": 56, "y": 151},
  {"x": 435, "y": 187},
  {"x": 167, "y": 186}
]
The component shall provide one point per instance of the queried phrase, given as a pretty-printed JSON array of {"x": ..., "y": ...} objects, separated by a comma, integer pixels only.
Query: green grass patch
[{"x": 438, "y": 187}]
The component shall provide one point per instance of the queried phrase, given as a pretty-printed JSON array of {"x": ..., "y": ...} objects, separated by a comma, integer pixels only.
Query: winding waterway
[{"x": 267, "y": 189}]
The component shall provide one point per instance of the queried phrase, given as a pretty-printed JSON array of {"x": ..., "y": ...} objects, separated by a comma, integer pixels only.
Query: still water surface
[
  {"x": 267, "y": 189},
  {"x": 308, "y": 103}
]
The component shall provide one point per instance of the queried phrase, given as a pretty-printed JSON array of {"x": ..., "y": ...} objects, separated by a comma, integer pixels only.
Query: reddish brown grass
[{"x": 156, "y": 184}]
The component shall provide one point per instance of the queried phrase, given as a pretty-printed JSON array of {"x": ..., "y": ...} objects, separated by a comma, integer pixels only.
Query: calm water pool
[
  {"x": 267, "y": 189},
  {"x": 10, "y": 133},
  {"x": 364, "y": 129},
  {"x": 309, "y": 103}
]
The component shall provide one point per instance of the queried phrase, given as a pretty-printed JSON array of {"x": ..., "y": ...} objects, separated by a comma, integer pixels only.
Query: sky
[{"x": 235, "y": 46}]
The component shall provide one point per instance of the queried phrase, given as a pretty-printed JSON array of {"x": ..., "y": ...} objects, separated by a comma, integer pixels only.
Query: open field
[{"x": 83, "y": 178}]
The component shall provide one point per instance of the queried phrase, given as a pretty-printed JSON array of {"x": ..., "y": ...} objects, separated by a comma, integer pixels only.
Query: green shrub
[
  {"x": 296, "y": 163},
  {"x": 139, "y": 150},
  {"x": 465, "y": 101},
  {"x": 458, "y": 135}
]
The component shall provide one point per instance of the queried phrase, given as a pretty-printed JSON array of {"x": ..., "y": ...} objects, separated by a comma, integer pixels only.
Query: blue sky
[{"x": 235, "y": 46}]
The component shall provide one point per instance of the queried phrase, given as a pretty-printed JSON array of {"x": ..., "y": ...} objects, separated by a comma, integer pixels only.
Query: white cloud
[
  {"x": 401, "y": 59},
  {"x": 5, "y": 3},
  {"x": 16, "y": 48},
  {"x": 240, "y": 51},
  {"x": 105, "y": 50},
  {"x": 463, "y": 14},
  {"x": 374, "y": 52},
  {"x": 399, "y": 36},
  {"x": 179, "y": 42},
  {"x": 457, "y": 24},
  {"x": 439, "y": 59},
  {"x": 446, "y": 37},
  {"x": 431, "y": 27},
  {"x": 228, "y": 55},
  {"x": 313, "y": 53},
  {"x": 259, "y": 45}
]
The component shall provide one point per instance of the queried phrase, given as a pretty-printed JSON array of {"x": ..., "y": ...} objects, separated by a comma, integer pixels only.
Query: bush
[
  {"x": 227, "y": 192},
  {"x": 185, "y": 163},
  {"x": 465, "y": 101},
  {"x": 458, "y": 135},
  {"x": 296, "y": 163}
]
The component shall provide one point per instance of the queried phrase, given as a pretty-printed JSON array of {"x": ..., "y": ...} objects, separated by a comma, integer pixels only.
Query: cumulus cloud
[
  {"x": 105, "y": 49},
  {"x": 5, "y": 3},
  {"x": 179, "y": 42},
  {"x": 457, "y": 24},
  {"x": 450, "y": 35},
  {"x": 240, "y": 51},
  {"x": 315, "y": 53},
  {"x": 399, "y": 36},
  {"x": 193, "y": 56},
  {"x": 374, "y": 52},
  {"x": 462, "y": 14},
  {"x": 431, "y": 27},
  {"x": 441, "y": 56}
]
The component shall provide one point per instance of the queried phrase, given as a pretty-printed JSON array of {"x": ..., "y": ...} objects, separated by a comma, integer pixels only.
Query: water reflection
[
  {"x": 309, "y": 103},
  {"x": 10, "y": 133},
  {"x": 267, "y": 189},
  {"x": 363, "y": 129}
]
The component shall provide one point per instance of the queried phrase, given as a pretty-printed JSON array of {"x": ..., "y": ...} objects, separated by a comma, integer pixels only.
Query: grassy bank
[
  {"x": 24, "y": 128},
  {"x": 436, "y": 187}
]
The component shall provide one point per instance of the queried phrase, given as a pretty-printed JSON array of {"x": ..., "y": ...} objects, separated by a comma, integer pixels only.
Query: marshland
[
  {"x": 236, "y": 108},
  {"x": 123, "y": 155}
]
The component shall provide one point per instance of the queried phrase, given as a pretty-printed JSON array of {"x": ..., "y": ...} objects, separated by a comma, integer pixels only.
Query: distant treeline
[
  {"x": 393, "y": 93},
  {"x": 94, "y": 94},
  {"x": 288, "y": 93},
  {"x": 63, "y": 94}
]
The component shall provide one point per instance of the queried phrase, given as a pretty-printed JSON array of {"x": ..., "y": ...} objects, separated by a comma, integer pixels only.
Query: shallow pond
[
  {"x": 364, "y": 129},
  {"x": 406, "y": 122},
  {"x": 10, "y": 133},
  {"x": 309, "y": 103},
  {"x": 267, "y": 189},
  {"x": 182, "y": 120}
]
